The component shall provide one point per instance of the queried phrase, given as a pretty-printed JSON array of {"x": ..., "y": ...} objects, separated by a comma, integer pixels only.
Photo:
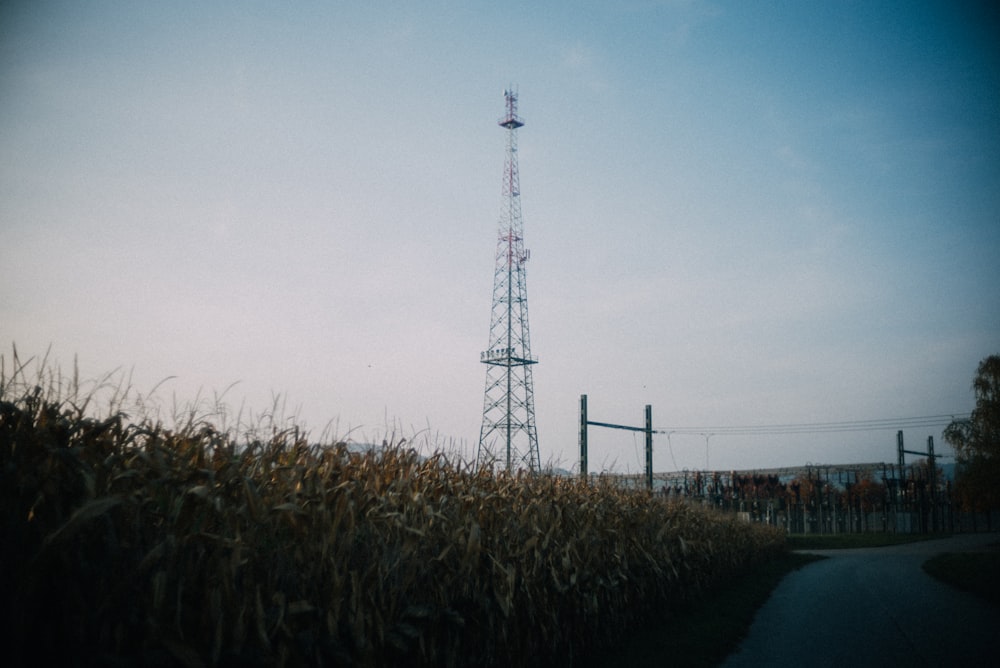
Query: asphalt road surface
[{"x": 874, "y": 607}]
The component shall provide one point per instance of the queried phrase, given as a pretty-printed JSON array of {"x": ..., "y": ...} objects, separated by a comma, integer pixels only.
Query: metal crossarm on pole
[
  {"x": 615, "y": 426},
  {"x": 647, "y": 429}
]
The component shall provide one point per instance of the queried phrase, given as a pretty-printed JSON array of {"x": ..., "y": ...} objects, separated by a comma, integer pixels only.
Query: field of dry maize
[{"x": 126, "y": 542}]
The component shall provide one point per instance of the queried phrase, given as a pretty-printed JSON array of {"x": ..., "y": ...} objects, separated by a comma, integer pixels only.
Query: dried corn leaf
[{"x": 84, "y": 514}]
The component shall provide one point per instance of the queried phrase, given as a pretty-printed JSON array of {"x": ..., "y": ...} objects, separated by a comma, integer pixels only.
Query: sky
[{"x": 741, "y": 214}]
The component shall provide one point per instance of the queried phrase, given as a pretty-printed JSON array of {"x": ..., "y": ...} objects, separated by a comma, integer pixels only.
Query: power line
[{"x": 819, "y": 427}]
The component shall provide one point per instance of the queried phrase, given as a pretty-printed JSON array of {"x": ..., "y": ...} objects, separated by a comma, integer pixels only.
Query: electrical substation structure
[
  {"x": 647, "y": 429},
  {"x": 508, "y": 438}
]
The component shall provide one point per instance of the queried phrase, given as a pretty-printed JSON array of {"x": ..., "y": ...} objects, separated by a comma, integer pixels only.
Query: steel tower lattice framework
[{"x": 508, "y": 437}]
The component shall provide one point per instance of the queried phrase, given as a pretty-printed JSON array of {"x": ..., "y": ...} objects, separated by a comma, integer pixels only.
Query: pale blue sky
[{"x": 739, "y": 213}]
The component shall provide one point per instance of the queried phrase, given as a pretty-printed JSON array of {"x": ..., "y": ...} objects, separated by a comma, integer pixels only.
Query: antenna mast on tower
[{"x": 508, "y": 438}]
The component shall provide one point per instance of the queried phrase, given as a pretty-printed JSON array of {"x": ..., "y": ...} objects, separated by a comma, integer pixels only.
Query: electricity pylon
[{"x": 508, "y": 438}]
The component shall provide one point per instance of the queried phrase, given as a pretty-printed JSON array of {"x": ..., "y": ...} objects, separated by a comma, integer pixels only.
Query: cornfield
[{"x": 126, "y": 542}]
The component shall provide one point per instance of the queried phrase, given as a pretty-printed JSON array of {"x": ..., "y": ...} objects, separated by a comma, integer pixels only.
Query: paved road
[{"x": 874, "y": 607}]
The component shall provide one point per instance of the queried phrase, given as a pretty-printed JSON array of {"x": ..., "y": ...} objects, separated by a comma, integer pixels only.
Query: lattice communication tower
[{"x": 508, "y": 438}]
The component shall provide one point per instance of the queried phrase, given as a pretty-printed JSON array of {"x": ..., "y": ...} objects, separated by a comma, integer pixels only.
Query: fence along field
[
  {"x": 852, "y": 498},
  {"x": 128, "y": 542}
]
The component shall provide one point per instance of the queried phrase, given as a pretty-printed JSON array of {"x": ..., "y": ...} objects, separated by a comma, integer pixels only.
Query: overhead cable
[{"x": 818, "y": 427}]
